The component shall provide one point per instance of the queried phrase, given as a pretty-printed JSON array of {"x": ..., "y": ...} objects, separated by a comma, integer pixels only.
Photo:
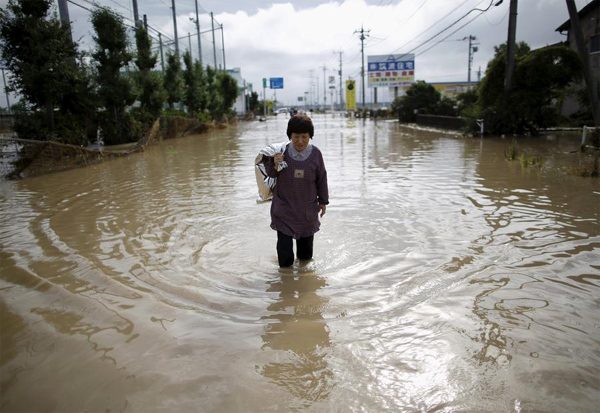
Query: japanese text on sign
[{"x": 391, "y": 70}]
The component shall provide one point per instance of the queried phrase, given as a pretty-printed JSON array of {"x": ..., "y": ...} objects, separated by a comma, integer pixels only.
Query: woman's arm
[
  {"x": 270, "y": 167},
  {"x": 322, "y": 188}
]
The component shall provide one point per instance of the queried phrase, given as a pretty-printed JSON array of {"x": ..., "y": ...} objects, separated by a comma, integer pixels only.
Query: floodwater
[{"x": 445, "y": 278}]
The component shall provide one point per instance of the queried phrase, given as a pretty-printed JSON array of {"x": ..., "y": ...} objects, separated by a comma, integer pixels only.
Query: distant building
[
  {"x": 589, "y": 17},
  {"x": 451, "y": 89},
  {"x": 240, "y": 103}
]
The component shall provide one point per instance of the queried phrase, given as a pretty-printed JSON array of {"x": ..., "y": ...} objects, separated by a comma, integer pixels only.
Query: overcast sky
[{"x": 297, "y": 39}]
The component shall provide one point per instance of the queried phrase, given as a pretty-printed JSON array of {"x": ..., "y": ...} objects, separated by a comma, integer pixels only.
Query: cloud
[
  {"x": 295, "y": 39},
  {"x": 282, "y": 40}
]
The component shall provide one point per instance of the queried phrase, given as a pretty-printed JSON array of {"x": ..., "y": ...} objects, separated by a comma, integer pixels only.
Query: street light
[{"x": 488, "y": 7}]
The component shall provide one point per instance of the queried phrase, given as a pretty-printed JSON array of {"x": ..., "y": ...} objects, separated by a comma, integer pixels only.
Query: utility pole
[
  {"x": 510, "y": 45},
  {"x": 212, "y": 21},
  {"x": 63, "y": 10},
  {"x": 146, "y": 23},
  {"x": 175, "y": 28},
  {"x": 198, "y": 33},
  {"x": 310, "y": 85},
  {"x": 362, "y": 52},
  {"x": 223, "y": 44},
  {"x": 162, "y": 58},
  {"x": 264, "y": 94},
  {"x": 340, "y": 75},
  {"x": 136, "y": 15},
  {"x": 245, "y": 97},
  {"x": 324, "y": 88},
  {"x": 6, "y": 91},
  {"x": 590, "y": 80},
  {"x": 472, "y": 49}
]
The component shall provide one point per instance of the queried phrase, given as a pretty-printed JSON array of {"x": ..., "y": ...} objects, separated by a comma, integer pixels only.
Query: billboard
[
  {"x": 350, "y": 94},
  {"x": 275, "y": 83},
  {"x": 392, "y": 70}
]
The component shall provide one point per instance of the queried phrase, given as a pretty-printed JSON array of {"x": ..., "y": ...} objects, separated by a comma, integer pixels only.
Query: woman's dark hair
[{"x": 300, "y": 124}]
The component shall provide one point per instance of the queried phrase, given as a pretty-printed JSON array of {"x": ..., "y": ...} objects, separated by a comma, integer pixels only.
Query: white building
[{"x": 240, "y": 103}]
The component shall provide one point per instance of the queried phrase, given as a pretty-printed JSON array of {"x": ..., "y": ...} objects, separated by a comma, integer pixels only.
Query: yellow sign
[{"x": 350, "y": 95}]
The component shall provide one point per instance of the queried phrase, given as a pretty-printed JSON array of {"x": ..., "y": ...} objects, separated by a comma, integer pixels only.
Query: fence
[{"x": 442, "y": 122}]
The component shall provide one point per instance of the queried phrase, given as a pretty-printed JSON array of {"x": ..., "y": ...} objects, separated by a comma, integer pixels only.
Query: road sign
[
  {"x": 264, "y": 82},
  {"x": 276, "y": 83},
  {"x": 393, "y": 70}
]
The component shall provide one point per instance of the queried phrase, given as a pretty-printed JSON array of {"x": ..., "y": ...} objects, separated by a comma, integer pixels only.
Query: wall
[{"x": 442, "y": 122}]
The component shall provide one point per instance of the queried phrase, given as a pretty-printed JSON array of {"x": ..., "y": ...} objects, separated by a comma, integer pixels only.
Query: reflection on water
[
  {"x": 296, "y": 327},
  {"x": 444, "y": 279}
]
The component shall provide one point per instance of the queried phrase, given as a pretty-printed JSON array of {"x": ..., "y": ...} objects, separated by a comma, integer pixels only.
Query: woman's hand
[
  {"x": 278, "y": 159},
  {"x": 323, "y": 209}
]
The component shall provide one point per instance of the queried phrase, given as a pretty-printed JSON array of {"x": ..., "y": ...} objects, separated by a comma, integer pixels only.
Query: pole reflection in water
[{"x": 297, "y": 330}]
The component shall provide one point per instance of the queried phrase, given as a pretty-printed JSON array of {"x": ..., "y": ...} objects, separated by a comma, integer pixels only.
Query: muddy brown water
[{"x": 445, "y": 279}]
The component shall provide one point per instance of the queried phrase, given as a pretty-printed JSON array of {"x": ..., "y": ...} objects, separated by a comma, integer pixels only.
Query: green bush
[
  {"x": 204, "y": 117},
  {"x": 174, "y": 112},
  {"x": 68, "y": 128},
  {"x": 126, "y": 130},
  {"x": 143, "y": 116}
]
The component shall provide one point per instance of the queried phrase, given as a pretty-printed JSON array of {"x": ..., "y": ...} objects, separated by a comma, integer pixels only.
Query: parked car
[{"x": 282, "y": 111}]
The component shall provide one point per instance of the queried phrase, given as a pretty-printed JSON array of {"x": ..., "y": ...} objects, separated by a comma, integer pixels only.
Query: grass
[
  {"x": 529, "y": 161},
  {"x": 511, "y": 153},
  {"x": 589, "y": 167},
  {"x": 526, "y": 160}
]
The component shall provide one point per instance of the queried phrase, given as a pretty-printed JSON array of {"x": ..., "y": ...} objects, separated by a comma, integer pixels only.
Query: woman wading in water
[{"x": 300, "y": 193}]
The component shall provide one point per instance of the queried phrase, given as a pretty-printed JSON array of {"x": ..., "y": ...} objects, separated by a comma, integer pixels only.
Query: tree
[
  {"x": 228, "y": 89},
  {"x": 173, "y": 80},
  {"x": 540, "y": 82},
  {"x": 421, "y": 97},
  {"x": 150, "y": 86},
  {"x": 253, "y": 103},
  {"x": 466, "y": 100},
  {"x": 213, "y": 103},
  {"x": 590, "y": 83},
  {"x": 446, "y": 106},
  {"x": 38, "y": 52},
  {"x": 193, "y": 78},
  {"x": 114, "y": 90}
]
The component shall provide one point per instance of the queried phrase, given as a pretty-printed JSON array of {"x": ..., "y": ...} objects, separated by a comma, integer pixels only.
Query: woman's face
[{"x": 300, "y": 141}]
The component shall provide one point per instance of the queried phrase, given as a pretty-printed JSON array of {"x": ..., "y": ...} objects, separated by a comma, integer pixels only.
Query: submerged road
[{"x": 444, "y": 279}]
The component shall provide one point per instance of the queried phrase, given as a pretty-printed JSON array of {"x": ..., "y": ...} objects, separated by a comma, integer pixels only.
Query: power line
[
  {"x": 120, "y": 5},
  {"x": 448, "y": 27},
  {"x": 404, "y": 21},
  {"x": 433, "y": 25},
  {"x": 501, "y": 20},
  {"x": 429, "y": 48},
  {"x": 79, "y": 5}
]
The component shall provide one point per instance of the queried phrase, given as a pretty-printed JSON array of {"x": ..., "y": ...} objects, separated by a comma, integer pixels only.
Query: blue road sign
[{"x": 276, "y": 83}]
